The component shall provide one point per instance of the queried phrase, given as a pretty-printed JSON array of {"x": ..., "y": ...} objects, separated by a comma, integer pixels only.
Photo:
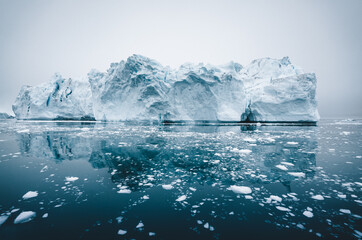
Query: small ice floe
[
  {"x": 167, "y": 186},
  {"x": 287, "y": 163},
  {"x": 245, "y": 151},
  {"x": 151, "y": 234},
  {"x": 358, "y": 234},
  {"x": 269, "y": 139},
  {"x": 248, "y": 197},
  {"x": 30, "y": 194},
  {"x": 119, "y": 219},
  {"x": 346, "y": 211},
  {"x": 127, "y": 191},
  {"x": 3, "y": 218},
  {"x": 140, "y": 225},
  {"x": 192, "y": 189},
  {"x": 121, "y": 232},
  {"x": 71, "y": 179},
  {"x": 318, "y": 197},
  {"x": 240, "y": 189},
  {"x": 24, "y": 217},
  {"x": 297, "y": 174},
  {"x": 45, "y": 215},
  {"x": 358, "y": 183},
  {"x": 343, "y": 196},
  {"x": 23, "y": 131},
  {"x": 282, "y": 167},
  {"x": 15, "y": 210},
  {"x": 206, "y": 225},
  {"x": 181, "y": 198},
  {"x": 301, "y": 226},
  {"x": 145, "y": 197},
  {"x": 292, "y": 143},
  {"x": 45, "y": 168},
  {"x": 199, "y": 222},
  {"x": 275, "y": 198},
  {"x": 250, "y": 140},
  {"x": 284, "y": 209},
  {"x": 308, "y": 214}
]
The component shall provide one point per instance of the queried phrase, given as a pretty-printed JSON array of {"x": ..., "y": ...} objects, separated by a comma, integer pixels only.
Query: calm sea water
[{"x": 118, "y": 181}]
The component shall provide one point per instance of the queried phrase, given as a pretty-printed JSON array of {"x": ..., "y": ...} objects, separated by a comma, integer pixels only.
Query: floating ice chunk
[
  {"x": 71, "y": 179},
  {"x": 358, "y": 183},
  {"x": 181, "y": 198},
  {"x": 245, "y": 151},
  {"x": 206, "y": 225},
  {"x": 308, "y": 214},
  {"x": 269, "y": 139},
  {"x": 240, "y": 189},
  {"x": 301, "y": 226},
  {"x": 199, "y": 222},
  {"x": 211, "y": 228},
  {"x": 30, "y": 194},
  {"x": 122, "y": 232},
  {"x": 292, "y": 143},
  {"x": 3, "y": 218},
  {"x": 119, "y": 219},
  {"x": 287, "y": 163},
  {"x": 151, "y": 234},
  {"x": 318, "y": 197},
  {"x": 284, "y": 209},
  {"x": 15, "y": 210},
  {"x": 251, "y": 140},
  {"x": 358, "y": 233},
  {"x": 145, "y": 197},
  {"x": 275, "y": 198},
  {"x": 346, "y": 211},
  {"x": 167, "y": 186},
  {"x": 343, "y": 196},
  {"x": 282, "y": 167},
  {"x": 140, "y": 225},
  {"x": 124, "y": 191},
  {"x": 297, "y": 174},
  {"x": 45, "y": 215},
  {"x": 45, "y": 168},
  {"x": 192, "y": 189},
  {"x": 24, "y": 217},
  {"x": 248, "y": 197}
]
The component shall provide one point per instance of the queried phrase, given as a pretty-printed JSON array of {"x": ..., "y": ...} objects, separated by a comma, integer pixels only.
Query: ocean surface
[{"x": 94, "y": 180}]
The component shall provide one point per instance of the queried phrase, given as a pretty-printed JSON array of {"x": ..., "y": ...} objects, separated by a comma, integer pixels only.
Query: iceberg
[
  {"x": 4, "y": 116},
  {"x": 141, "y": 89},
  {"x": 58, "y": 99}
]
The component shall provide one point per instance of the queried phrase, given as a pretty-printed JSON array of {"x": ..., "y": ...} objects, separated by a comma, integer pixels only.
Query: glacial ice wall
[
  {"x": 57, "y": 99},
  {"x": 142, "y": 89}
]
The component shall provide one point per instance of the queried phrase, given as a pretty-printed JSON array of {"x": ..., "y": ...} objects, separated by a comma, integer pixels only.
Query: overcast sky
[{"x": 38, "y": 38}]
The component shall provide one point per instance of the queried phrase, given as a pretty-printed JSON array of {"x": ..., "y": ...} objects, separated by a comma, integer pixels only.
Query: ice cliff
[
  {"x": 142, "y": 89},
  {"x": 57, "y": 99}
]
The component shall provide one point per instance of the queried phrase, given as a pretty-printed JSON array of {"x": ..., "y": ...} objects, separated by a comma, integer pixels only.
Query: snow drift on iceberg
[{"x": 268, "y": 90}]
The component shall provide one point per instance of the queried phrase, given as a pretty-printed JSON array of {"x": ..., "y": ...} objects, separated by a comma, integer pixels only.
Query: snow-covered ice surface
[
  {"x": 142, "y": 89},
  {"x": 132, "y": 181}
]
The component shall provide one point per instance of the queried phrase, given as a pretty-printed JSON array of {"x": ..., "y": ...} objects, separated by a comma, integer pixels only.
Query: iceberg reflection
[{"x": 143, "y": 156}]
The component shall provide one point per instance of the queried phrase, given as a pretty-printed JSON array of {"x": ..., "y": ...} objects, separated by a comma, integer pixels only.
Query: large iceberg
[
  {"x": 57, "y": 99},
  {"x": 268, "y": 90}
]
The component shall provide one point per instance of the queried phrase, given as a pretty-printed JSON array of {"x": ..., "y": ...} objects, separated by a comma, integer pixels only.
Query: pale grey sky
[{"x": 40, "y": 37}]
